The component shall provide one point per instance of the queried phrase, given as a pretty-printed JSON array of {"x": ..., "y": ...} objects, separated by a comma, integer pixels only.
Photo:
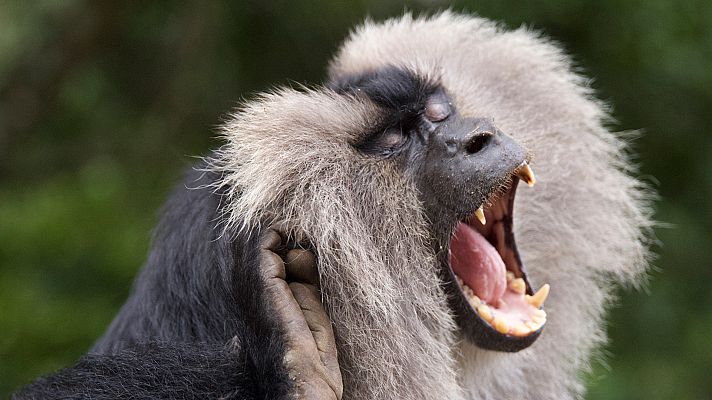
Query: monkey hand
[{"x": 292, "y": 283}]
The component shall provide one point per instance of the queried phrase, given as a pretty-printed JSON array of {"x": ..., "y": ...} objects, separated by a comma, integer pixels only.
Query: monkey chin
[{"x": 495, "y": 306}]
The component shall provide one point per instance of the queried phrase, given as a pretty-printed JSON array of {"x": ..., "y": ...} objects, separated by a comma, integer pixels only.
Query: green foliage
[{"x": 103, "y": 103}]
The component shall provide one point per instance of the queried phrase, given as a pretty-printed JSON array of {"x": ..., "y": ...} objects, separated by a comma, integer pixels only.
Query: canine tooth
[
  {"x": 500, "y": 325},
  {"x": 538, "y": 298},
  {"x": 484, "y": 312},
  {"x": 510, "y": 275},
  {"x": 480, "y": 214},
  {"x": 518, "y": 285},
  {"x": 538, "y": 320},
  {"x": 525, "y": 173},
  {"x": 539, "y": 313}
]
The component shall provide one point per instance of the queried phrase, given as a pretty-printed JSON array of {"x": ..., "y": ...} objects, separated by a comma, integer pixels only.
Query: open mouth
[{"x": 502, "y": 311}]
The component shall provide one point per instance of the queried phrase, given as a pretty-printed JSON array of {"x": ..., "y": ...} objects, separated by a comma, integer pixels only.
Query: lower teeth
[{"x": 536, "y": 320}]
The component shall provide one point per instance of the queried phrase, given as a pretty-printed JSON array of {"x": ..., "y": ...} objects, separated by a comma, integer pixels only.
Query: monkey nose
[
  {"x": 480, "y": 133},
  {"x": 470, "y": 135}
]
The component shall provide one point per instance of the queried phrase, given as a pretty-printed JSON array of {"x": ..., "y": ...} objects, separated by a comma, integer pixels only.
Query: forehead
[{"x": 390, "y": 87}]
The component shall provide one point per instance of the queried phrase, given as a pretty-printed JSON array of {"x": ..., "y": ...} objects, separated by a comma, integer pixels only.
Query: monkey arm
[
  {"x": 202, "y": 370},
  {"x": 297, "y": 358},
  {"x": 155, "y": 370}
]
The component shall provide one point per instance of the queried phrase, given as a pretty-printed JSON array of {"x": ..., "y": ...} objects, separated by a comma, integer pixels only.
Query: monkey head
[{"x": 466, "y": 172}]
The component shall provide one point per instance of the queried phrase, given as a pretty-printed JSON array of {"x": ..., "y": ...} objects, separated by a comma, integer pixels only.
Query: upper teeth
[
  {"x": 525, "y": 173},
  {"x": 480, "y": 214}
]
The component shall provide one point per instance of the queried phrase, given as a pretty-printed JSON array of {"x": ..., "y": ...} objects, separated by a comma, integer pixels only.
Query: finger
[
  {"x": 282, "y": 230},
  {"x": 271, "y": 265},
  {"x": 288, "y": 311},
  {"x": 301, "y": 266},
  {"x": 273, "y": 270},
  {"x": 320, "y": 325},
  {"x": 270, "y": 240},
  {"x": 307, "y": 296}
]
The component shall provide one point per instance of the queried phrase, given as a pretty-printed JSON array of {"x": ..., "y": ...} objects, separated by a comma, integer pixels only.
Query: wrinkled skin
[{"x": 293, "y": 285}]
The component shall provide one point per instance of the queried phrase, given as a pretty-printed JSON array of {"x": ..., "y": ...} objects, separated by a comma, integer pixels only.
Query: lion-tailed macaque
[{"x": 384, "y": 235}]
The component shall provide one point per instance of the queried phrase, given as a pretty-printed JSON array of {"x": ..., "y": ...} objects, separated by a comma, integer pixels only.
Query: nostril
[{"x": 477, "y": 143}]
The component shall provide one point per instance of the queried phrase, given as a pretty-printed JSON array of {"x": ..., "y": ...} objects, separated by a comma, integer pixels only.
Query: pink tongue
[{"x": 478, "y": 264}]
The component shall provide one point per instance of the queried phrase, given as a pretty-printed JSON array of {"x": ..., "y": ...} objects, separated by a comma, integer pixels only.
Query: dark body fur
[{"x": 197, "y": 323}]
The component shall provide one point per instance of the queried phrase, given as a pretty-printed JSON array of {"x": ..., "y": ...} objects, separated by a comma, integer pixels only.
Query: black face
[{"x": 466, "y": 171}]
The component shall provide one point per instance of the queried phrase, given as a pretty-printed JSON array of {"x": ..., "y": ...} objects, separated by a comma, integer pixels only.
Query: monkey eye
[
  {"x": 386, "y": 143},
  {"x": 437, "y": 108},
  {"x": 392, "y": 138}
]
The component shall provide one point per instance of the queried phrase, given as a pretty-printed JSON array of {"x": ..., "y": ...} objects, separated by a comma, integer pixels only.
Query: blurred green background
[{"x": 103, "y": 104}]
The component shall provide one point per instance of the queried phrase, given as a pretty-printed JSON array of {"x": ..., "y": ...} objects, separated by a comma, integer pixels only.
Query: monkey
[{"x": 396, "y": 181}]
